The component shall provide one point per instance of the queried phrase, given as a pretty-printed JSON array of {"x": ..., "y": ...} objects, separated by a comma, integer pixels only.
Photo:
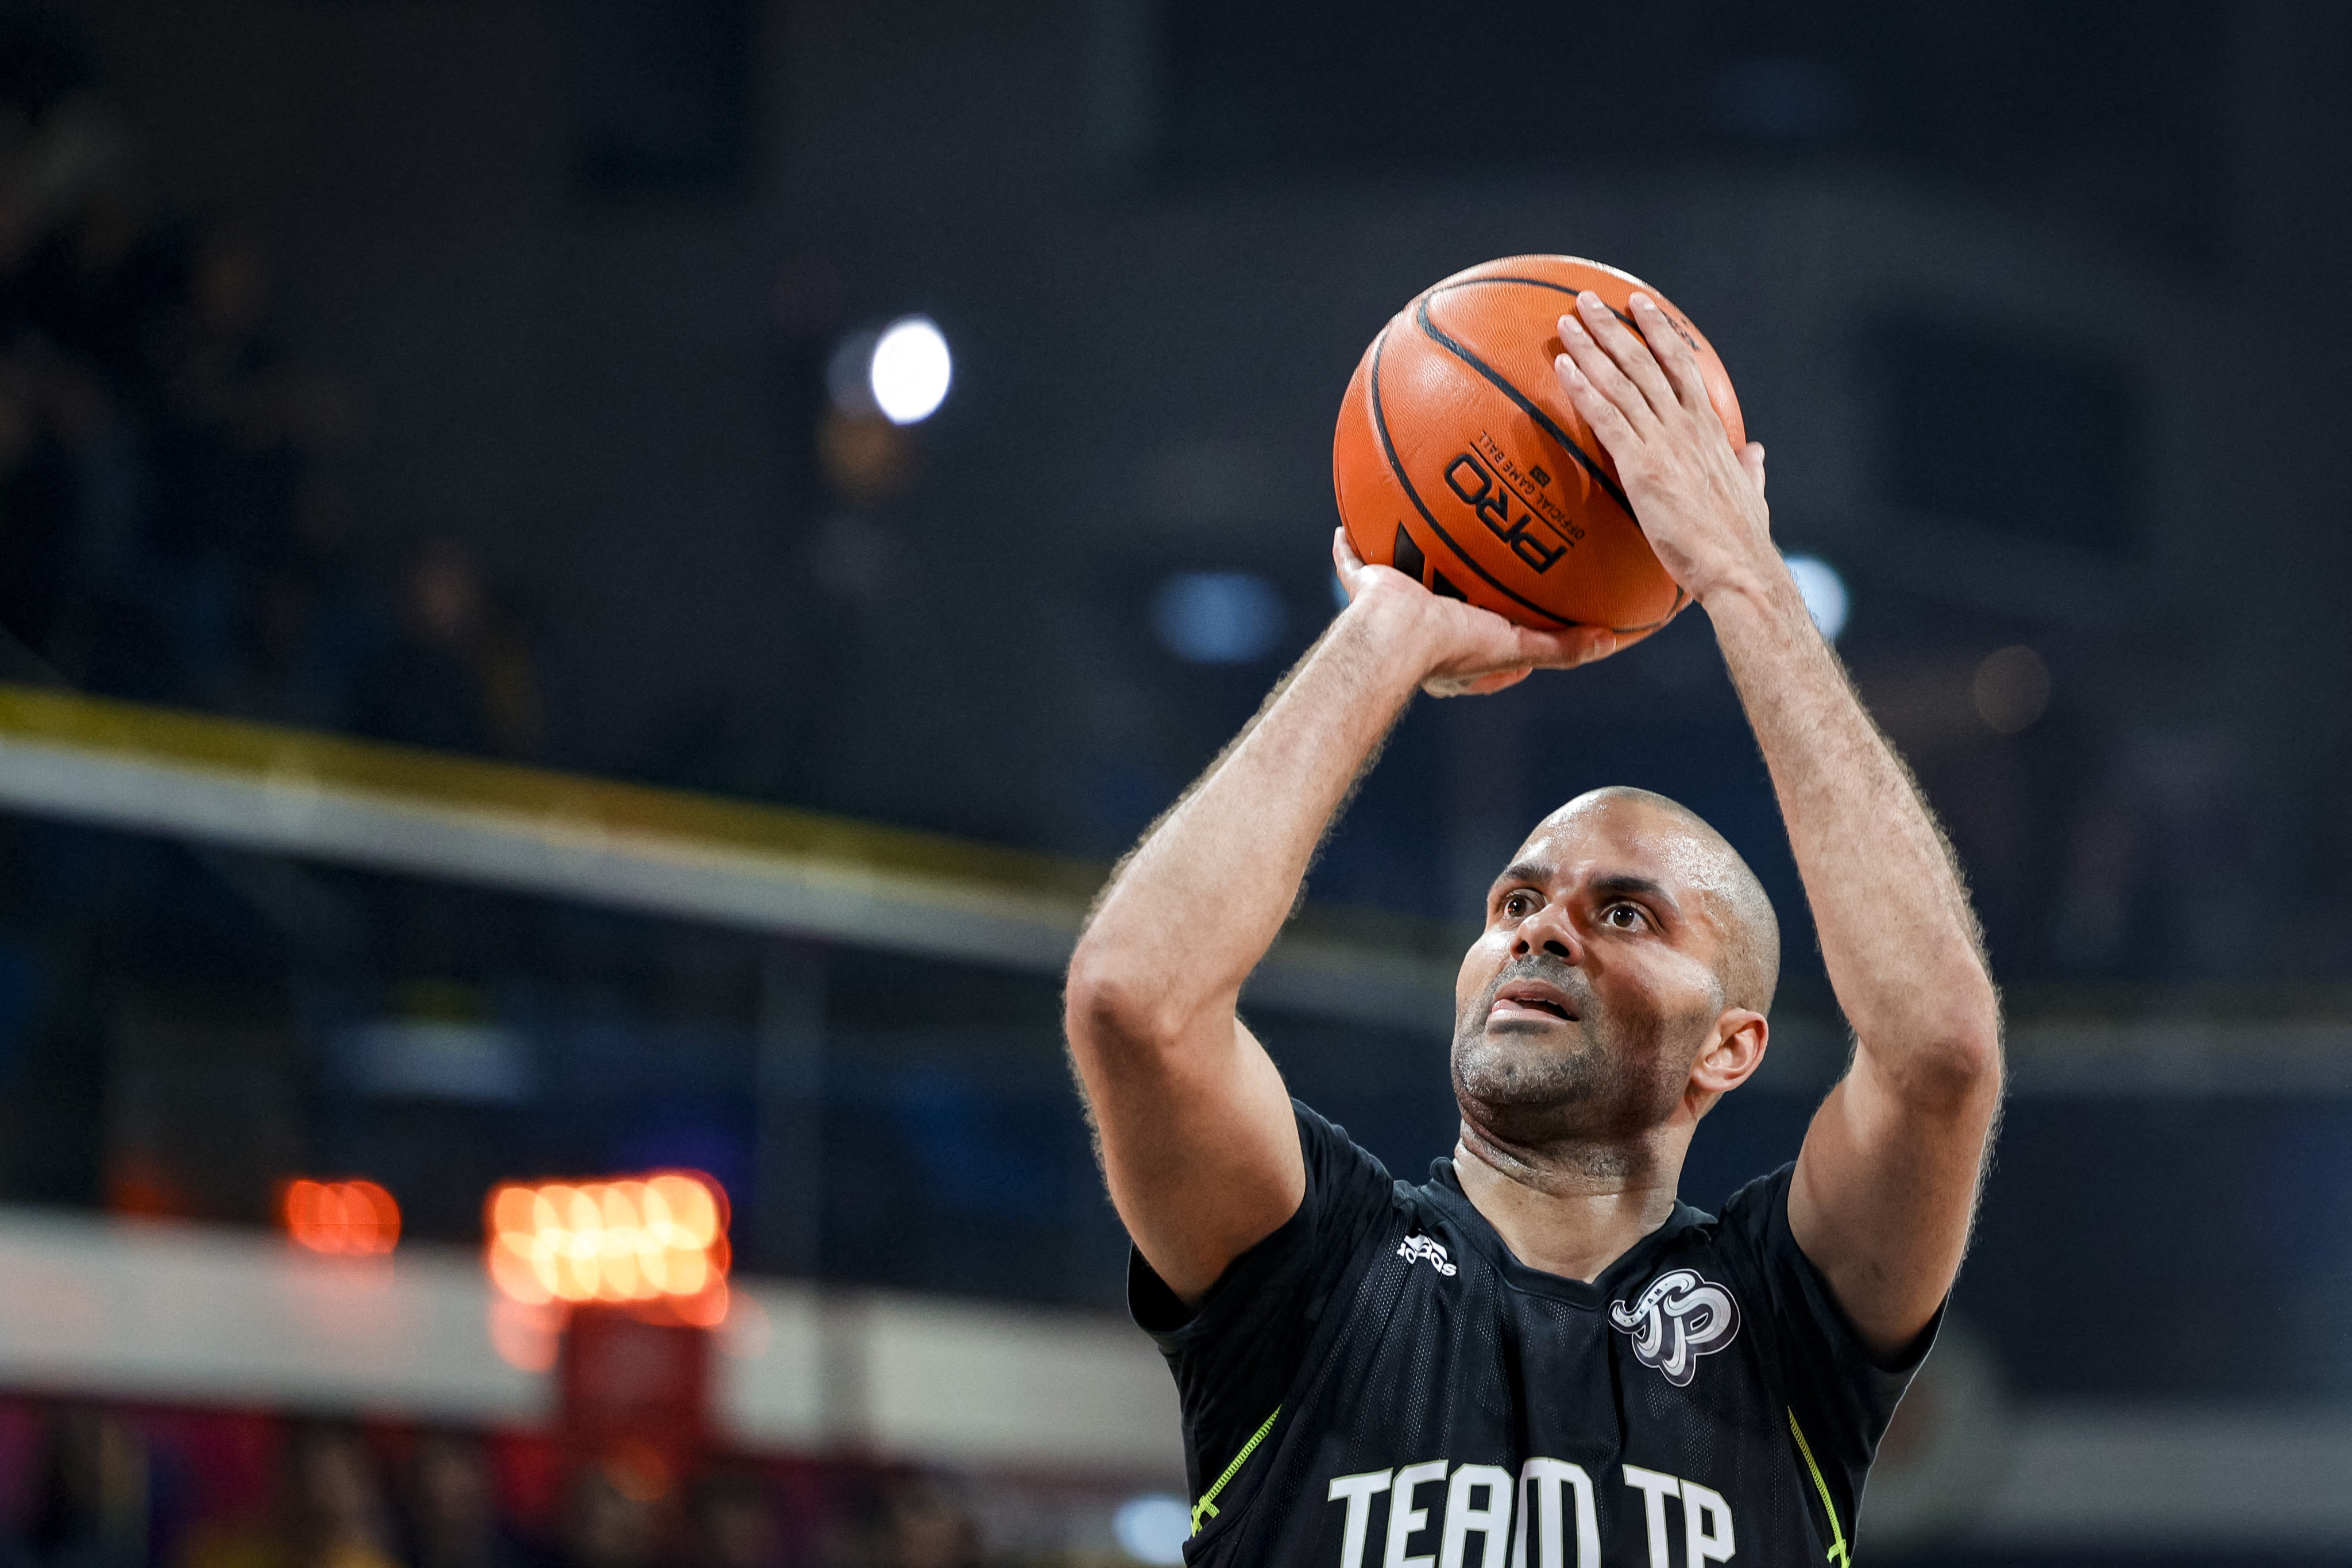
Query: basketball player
[{"x": 1540, "y": 1356}]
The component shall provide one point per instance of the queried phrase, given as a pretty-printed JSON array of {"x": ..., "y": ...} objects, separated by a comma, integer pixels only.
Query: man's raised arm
[
  {"x": 1198, "y": 1140},
  {"x": 1886, "y": 1183}
]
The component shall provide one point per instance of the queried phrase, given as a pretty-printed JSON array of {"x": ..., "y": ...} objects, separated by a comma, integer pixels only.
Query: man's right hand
[{"x": 1468, "y": 652}]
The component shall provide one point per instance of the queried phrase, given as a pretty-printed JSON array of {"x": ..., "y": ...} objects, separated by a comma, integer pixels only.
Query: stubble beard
[{"x": 1578, "y": 1095}]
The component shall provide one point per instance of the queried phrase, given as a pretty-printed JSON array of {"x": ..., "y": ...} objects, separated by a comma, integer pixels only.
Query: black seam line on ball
[
  {"x": 1406, "y": 557},
  {"x": 1555, "y": 288},
  {"x": 1682, "y": 597},
  {"x": 1388, "y": 450},
  {"x": 1526, "y": 405}
]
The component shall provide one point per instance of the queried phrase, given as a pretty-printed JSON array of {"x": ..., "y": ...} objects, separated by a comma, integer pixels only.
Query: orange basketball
[{"x": 1459, "y": 460}]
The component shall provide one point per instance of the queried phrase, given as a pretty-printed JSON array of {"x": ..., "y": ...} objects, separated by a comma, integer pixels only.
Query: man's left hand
[{"x": 1699, "y": 501}]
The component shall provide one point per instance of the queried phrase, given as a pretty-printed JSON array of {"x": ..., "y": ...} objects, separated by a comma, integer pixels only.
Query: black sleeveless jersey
[{"x": 1379, "y": 1384}]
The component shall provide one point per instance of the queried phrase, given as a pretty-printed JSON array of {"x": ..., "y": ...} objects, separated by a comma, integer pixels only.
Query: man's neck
[{"x": 1571, "y": 1211}]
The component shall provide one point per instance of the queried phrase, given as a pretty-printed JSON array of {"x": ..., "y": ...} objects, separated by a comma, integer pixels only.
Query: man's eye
[
  {"x": 1518, "y": 906},
  {"x": 1624, "y": 917}
]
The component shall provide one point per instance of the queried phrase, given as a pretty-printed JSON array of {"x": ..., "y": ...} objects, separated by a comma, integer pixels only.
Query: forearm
[
  {"x": 1195, "y": 907},
  {"x": 1896, "y": 933},
  {"x": 1884, "y": 1185}
]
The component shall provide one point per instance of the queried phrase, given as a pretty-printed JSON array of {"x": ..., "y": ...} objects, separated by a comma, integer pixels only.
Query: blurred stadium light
[
  {"x": 1217, "y": 617},
  {"x": 660, "y": 1238},
  {"x": 1153, "y": 1527},
  {"x": 355, "y": 1217},
  {"x": 910, "y": 371},
  {"x": 1824, "y": 593},
  {"x": 901, "y": 371},
  {"x": 2011, "y": 688}
]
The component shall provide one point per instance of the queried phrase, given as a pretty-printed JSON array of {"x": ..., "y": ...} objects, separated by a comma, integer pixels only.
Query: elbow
[
  {"x": 1128, "y": 1003},
  {"x": 1958, "y": 1069},
  {"x": 1109, "y": 1009},
  {"x": 1976, "y": 1043},
  {"x": 1941, "y": 1055},
  {"x": 1973, "y": 1058}
]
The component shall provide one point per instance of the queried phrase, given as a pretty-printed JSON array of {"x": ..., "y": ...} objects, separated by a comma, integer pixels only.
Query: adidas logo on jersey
[
  {"x": 1680, "y": 1318},
  {"x": 1414, "y": 1248}
]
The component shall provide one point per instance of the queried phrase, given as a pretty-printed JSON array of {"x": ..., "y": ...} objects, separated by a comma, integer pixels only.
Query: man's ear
[{"x": 1733, "y": 1052}]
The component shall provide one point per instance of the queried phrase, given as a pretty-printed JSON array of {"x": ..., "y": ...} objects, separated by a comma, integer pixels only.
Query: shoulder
[
  {"x": 1757, "y": 1215},
  {"x": 1349, "y": 1195},
  {"x": 1263, "y": 1325},
  {"x": 1749, "y": 1239},
  {"x": 1332, "y": 1157},
  {"x": 1752, "y": 1238}
]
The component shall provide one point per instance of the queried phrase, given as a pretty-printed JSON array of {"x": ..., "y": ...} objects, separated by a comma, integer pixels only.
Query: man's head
[{"x": 1629, "y": 959}]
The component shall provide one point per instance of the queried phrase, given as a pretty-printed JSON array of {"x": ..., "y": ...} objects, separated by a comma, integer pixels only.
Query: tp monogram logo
[{"x": 1680, "y": 1318}]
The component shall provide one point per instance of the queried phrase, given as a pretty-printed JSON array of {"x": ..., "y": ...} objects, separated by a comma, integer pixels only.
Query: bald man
[{"x": 1540, "y": 1356}]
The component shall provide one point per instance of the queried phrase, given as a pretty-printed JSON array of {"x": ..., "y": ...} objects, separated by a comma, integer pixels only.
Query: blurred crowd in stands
[
  {"x": 99, "y": 1487},
  {"x": 175, "y": 525}
]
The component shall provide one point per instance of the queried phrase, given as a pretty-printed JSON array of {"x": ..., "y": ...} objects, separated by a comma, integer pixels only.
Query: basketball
[{"x": 1459, "y": 462}]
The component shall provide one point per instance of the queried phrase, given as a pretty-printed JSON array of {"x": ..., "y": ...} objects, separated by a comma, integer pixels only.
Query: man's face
[{"x": 1581, "y": 1009}]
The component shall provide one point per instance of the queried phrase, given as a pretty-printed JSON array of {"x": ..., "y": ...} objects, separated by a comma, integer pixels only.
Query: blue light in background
[
  {"x": 1217, "y": 617},
  {"x": 1824, "y": 593},
  {"x": 1153, "y": 1527}
]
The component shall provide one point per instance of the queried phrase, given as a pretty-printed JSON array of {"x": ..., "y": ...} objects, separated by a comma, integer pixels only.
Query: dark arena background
[{"x": 590, "y": 585}]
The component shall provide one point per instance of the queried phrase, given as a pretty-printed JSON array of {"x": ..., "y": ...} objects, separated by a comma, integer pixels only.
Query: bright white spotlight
[
  {"x": 1824, "y": 591},
  {"x": 1153, "y": 1527},
  {"x": 910, "y": 370}
]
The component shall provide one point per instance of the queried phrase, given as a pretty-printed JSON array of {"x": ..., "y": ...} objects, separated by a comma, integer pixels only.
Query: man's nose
[{"x": 1547, "y": 931}]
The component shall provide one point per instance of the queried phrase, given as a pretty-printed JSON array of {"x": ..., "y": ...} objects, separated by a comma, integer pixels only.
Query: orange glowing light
[
  {"x": 526, "y": 1335},
  {"x": 659, "y": 1239},
  {"x": 354, "y": 1218}
]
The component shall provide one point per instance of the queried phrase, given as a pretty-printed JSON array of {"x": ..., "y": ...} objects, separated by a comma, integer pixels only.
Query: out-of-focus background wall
[{"x": 488, "y": 698}]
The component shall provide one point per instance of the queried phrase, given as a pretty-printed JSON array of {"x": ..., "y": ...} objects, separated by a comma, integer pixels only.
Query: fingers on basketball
[{"x": 1471, "y": 458}]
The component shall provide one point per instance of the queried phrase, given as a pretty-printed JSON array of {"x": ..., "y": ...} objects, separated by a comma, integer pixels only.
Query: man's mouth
[{"x": 1534, "y": 998}]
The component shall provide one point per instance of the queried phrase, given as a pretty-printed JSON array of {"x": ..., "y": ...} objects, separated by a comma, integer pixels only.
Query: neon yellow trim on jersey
[
  {"x": 1837, "y": 1552},
  {"x": 1208, "y": 1503}
]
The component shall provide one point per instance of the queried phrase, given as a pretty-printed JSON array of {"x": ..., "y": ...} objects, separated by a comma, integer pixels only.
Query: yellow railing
[{"x": 400, "y": 808}]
